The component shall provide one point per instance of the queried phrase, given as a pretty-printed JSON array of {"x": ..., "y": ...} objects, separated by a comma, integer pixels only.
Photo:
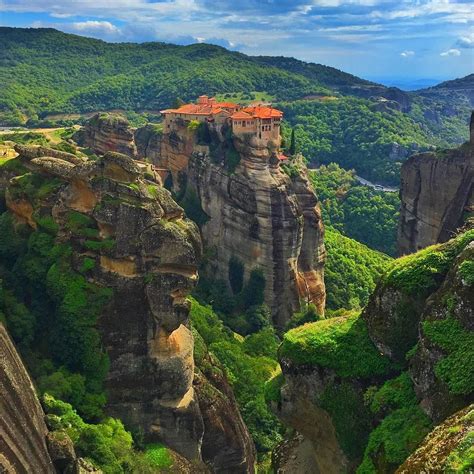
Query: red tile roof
[
  {"x": 209, "y": 108},
  {"x": 258, "y": 111}
]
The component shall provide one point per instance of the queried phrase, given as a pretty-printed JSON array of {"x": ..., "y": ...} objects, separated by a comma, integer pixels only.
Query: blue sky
[{"x": 406, "y": 39}]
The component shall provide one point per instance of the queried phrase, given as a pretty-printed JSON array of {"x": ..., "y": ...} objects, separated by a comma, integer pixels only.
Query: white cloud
[
  {"x": 95, "y": 26},
  {"x": 451, "y": 52},
  {"x": 466, "y": 41},
  {"x": 407, "y": 54}
]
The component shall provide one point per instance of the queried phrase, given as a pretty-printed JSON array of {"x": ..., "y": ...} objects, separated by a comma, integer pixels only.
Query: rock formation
[
  {"x": 254, "y": 212},
  {"x": 442, "y": 450},
  {"x": 107, "y": 132},
  {"x": 128, "y": 235},
  {"x": 23, "y": 432},
  {"x": 365, "y": 389},
  {"x": 436, "y": 194}
]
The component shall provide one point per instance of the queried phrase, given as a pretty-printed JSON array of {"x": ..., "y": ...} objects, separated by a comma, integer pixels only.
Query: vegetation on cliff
[
  {"x": 107, "y": 445},
  {"x": 248, "y": 362},
  {"x": 51, "y": 311},
  {"x": 360, "y": 212},
  {"x": 351, "y": 271},
  {"x": 374, "y": 408},
  {"x": 341, "y": 344}
]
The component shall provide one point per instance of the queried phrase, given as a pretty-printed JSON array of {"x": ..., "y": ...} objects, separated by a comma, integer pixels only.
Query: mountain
[{"x": 50, "y": 77}]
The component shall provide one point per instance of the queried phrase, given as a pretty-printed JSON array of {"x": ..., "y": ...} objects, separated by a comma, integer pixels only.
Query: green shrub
[
  {"x": 273, "y": 386},
  {"x": 419, "y": 274},
  {"x": 341, "y": 344},
  {"x": 107, "y": 444},
  {"x": 351, "y": 271},
  {"x": 158, "y": 456},
  {"x": 456, "y": 368},
  {"x": 466, "y": 270},
  {"x": 395, "y": 393},
  {"x": 397, "y": 436},
  {"x": 308, "y": 314}
]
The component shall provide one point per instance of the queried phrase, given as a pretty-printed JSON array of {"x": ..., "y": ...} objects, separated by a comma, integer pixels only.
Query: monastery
[{"x": 261, "y": 121}]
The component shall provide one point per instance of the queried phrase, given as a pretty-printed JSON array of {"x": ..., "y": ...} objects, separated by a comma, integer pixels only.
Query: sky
[{"x": 388, "y": 40}]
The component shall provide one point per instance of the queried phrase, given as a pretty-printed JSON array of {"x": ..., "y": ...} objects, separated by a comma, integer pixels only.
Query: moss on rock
[{"x": 341, "y": 344}]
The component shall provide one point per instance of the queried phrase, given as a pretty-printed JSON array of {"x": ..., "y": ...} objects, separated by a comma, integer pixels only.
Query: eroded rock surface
[
  {"x": 23, "y": 432},
  {"x": 127, "y": 235},
  {"x": 253, "y": 212},
  {"x": 436, "y": 195},
  {"x": 107, "y": 132}
]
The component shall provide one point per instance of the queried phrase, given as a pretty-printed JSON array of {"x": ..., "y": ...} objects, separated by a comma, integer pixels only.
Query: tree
[{"x": 292, "y": 149}]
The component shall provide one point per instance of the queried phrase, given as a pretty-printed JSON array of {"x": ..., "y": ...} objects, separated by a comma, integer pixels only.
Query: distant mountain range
[{"x": 47, "y": 74}]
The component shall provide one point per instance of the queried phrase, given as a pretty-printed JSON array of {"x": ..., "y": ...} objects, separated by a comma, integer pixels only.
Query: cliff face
[
  {"x": 126, "y": 235},
  {"x": 436, "y": 193},
  {"x": 365, "y": 389},
  {"x": 22, "y": 429},
  {"x": 107, "y": 132},
  {"x": 255, "y": 213}
]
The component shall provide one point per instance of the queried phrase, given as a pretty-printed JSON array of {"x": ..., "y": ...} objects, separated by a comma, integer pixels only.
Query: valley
[{"x": 219, "y": 263}]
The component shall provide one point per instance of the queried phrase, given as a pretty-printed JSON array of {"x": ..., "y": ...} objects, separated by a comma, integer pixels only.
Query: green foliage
[
  {"x": 419, "y": 274},
  {"x": 107, "y": 445},
  {"x": 362, "y": 213},
  {"x": 349, "y": 415},
  {"x": 308, "y": 314},
  {"x": 394, "y": 393},
  {"x": 351, "y": 132},
  {"x": 466, "y": 270},
  {"x": 193, "y": 125},
  {"x": 273, "y": 387},
  {"x": 34, "y": 186},
  {"x": 395, "y": 438},
  {"x": 351, "y": 272},
  {"x": 461, "y": 459},
  {"x": 247, "y": 367},
  {"x": 51, "y": 312},
  {"x": 158, "y": 456},
  {"x": 456, "y": 368},
  {"x": 341, "y": 344}
]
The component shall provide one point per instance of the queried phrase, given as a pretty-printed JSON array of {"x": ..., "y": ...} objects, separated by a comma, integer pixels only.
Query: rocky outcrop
[
  {"x": 148, "y": 142},
  {"x": 226, "y": 445},
  {"x": 23, "y": 432},
  {"x": 253, "y": 212},
  {"x": 126, "y": 235},
  {"x": 107, "y": 132},
  {"x": 363, "y": 390},
  {"x": 140, "y": 246},
  {"x": 446, "y": 448},
  {"x": 436, "y": 195}
]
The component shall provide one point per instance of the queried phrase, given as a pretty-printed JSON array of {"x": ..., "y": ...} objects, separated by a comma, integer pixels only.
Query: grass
[
  {"x": 421, "y": 273},
  {"x": 158, "y": 456},
  {"x": 341, "y": 344}
]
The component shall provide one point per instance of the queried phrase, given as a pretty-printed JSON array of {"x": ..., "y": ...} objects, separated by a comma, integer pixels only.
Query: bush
[
  {"x": 456, "y": 368},
  {"x": 341, "y": 344}
]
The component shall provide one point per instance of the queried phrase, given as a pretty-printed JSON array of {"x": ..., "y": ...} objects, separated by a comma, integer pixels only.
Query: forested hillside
[{"x": 48, "y": 76}]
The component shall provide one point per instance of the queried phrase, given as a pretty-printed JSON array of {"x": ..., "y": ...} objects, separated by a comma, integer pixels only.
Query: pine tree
[{"x": 292, "y": 149}]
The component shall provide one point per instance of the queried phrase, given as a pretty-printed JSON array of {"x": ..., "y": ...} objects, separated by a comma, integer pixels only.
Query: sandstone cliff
[
  {"x": 125, "y": 234},
  {"x": 365, "y": 389},
  {"x": 107, "y": 132},
  {"x": 436, "y": 194},
  {"x": 253, "y": 212},
  {"x": 22, "y": 429}
]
